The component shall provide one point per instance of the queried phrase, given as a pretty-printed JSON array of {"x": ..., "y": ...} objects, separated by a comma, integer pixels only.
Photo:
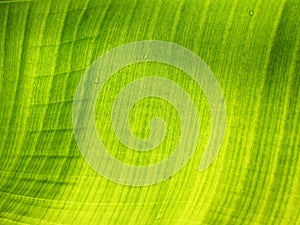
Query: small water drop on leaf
[{"x": 251, "y": 12}]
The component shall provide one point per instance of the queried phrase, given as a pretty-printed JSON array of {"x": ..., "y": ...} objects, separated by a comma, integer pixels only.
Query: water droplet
[
  {"x": 145, "y": 57},
  {"x": 96, "y": 80},
  {"x": 251, "y": 12}
]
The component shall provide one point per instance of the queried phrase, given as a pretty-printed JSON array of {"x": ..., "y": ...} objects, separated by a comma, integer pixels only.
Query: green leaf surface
[{"x": 253, "y": 49}]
